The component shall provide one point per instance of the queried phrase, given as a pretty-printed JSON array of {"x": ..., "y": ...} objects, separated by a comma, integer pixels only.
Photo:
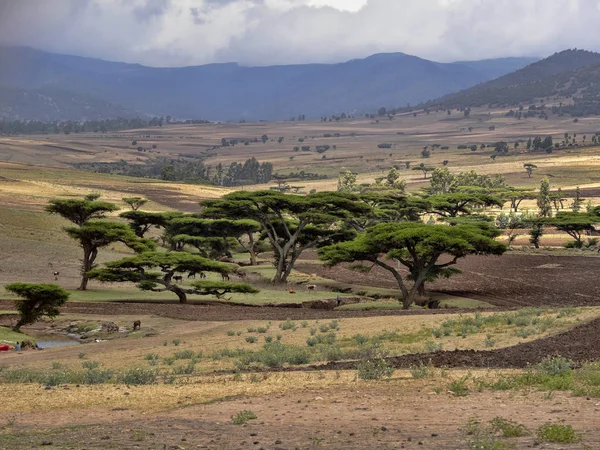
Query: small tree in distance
[
  {"x": 135, "y": 203},
  {"x": 529, "y": 168},
  {"x": 37, "y": 300}
]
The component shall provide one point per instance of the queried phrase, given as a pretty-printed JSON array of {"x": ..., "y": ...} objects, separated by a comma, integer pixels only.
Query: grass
[
  {"x": 446, "y": 301},
  {"x": 554, "y": 432},
  {"x": 243, "y": 417},
  {"x": 10, "y": 337}
]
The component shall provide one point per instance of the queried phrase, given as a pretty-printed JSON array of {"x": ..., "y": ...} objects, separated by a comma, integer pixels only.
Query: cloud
[{"x": 260, "y": 32}]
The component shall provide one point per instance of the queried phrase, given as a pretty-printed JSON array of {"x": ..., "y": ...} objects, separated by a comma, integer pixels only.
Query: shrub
[
  {"x": 324, "y": 328},
  {"x": 422, "y": 371},
  {"x": 555, "y": 365},
  {"x": 251, "y": 330},
  {"x": 55, "y": 366},
  {"x": 374, "y": 369},
  {"x": 231, "y": 333},
  {"x": 184, "y": 354},
  {"x": 489, "y": 341},
  {"x": 242, "y": 417},
  {"x": 432, "y": 347},
  {"x": 262, "y": 330},
  {"x": 90, "y": 364},
  {"x": 176, "y": 342},
  {"x": 313, "y": 331},
  {"x": 481, "y": 438},
  {"x": 459, "y": 387},
  {"x": 288, "y": 325},
  {"x": 268, "y": 339},
  {"x": 304, "y": 324},
  {"x": 553, "y": 432},
  {"x": 97, "y": 376},
  {"x": 169, "y": 360},
  {"x": 251, "y": 339},
  {"x": 360, "y": 339},
  {"x": 275, "y": 354},
  {"x": 81, "y": 355},
  {"x": 311, "y": 341},
  {"x": 138, "y": 376},
  {"x": 188, "y": 369},
  {"x": 508, "y": 428}
]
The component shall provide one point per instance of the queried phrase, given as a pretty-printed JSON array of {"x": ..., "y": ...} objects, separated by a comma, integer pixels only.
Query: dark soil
[
  {"x": 578, "y": 344},
  {"x": 506, "y": 281}
]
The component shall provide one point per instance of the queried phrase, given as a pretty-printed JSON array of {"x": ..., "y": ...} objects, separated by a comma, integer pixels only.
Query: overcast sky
[{"x": 261, "y": 32}]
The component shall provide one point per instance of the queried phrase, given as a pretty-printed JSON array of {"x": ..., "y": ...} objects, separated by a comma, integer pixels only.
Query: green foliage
[
  {"x": 289, "y": 325},
  {"x": 38, "y": 300},
  {"x": 509, "y": 428},
  {"x": 251, "y": 339},
  {"x": 276, "y": 354},
  {"x": 80, "y": 211},
  {"x": 459, "y": 387},
  {"x": 554, "y": 432},
  {"x": 135, "y": 203},
  {"x": 90, "y": 364},
  {"x": 374, "y": 369},
  {"x": 555, "y": 365},
  {"x": 184, "y": 354},
  {"x": 137, "y": 376},
  {"x": 482, "y": 438},
  {"x": 543, "y": 201},
  {"x": 422, "y": 371},
  {"x": 243, "y": 417}
]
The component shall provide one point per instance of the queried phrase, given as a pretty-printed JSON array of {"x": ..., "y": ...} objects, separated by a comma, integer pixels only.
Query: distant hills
[
  {"x": 570, "y": 77},
  {"x": 45, "y": 86}
]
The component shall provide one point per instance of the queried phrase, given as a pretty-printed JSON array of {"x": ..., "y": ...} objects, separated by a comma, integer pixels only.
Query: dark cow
[
  {"x": 178, "y": 278},
  {"x": 137, "y": 325}
]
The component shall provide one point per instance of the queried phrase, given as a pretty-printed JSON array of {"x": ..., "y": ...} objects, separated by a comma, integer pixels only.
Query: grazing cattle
[
  {"x": 292, "y": 291},
  {"x": 56, "y": 274},
  {"x": 224, "y": 277},
  {"x": 178, "y": 278},
  {"x": 202, "y": 275},
  {"x": 137, "y": 325},
  {"x": 192, "y": 275},
  {"x": 311, "y": 287}
]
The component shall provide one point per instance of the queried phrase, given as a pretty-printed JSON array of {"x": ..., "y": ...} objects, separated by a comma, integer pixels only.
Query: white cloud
[{"x": 258, "y": 32}]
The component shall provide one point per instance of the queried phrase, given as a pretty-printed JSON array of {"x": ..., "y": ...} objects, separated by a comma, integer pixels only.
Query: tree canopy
[
  {"x": 416, "y": 246},
  {"x": 135, "y": 203},
  {"x": 454, "y": 204},
  {"x": 37, "y": 300},
  {"x": 79, "y": 211},
  {"x": 137, "y": 268},
  {"x": 291, "y": 223}
]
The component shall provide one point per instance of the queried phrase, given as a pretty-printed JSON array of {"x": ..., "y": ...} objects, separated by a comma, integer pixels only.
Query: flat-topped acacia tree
[
  {"x": 212, "y": 236},
  {"x": 418, "y": 247},
  {"x": 80, "y": 211},
  {"x": 461, "y": 203},
  {"x": 142, "y": 221},
  {"x": 292, "y": 223},
  {"x": 37, "y": 300},
  {"x": 135, "y": 203},
  {"x": 137, "y": 269}
]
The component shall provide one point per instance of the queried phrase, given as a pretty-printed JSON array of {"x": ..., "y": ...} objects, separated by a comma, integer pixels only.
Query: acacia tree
[
  {"x": 37, "y": 300},
  {"x": 516, "y": 196},
  {"x": 291, "y": 223},
  {"x": 94, "y": 235},
  {"x": 416, "y": 246},
  {"x": 141, "y": 221},
  {"x": 529, "y": 168},
  {"x": 137, "y": 268},
  {"x": 79, "y": 211},
  {"x": 135, "y": 203},
  {"x": 422, "y": 167},
  {"x": 212, "y": 236},
  {"x": 451, "y": 205},
  {"x": 574, "y": 224}
]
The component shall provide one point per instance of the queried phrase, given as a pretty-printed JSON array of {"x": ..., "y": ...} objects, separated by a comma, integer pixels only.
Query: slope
[{"x": 231, "y": 92}]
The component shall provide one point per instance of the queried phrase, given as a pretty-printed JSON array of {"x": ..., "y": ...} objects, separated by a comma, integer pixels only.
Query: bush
[
  {"x": 555, "y": 365},
  {"x": 422, "y": 371},
  {"x": 432, "y": 347},
  {"x": 563, "y": 434},
  {"x": 90, "y": 364},
  {"x": 360, "y": 339},
  {"x": 251, "y": 339},
  {"x": 184, "y": 354},
  {"x": 276, "y": 354},
  {"x": 459, "y": 387},
  {"x": 97, "y": 376},
  {"x": 268, "y": 339},
  {"x": 169, "y": 360},
  {"x": 138, "y": 376},
  {"x": 374, "y": 369},
  {"x": 288, "y": 325},
  {"x": 508, "y": 428},
  {"x": 242, "y": 417},
  {"x": 231, "y": 333},
  {"x": 262, "y": 330},
  {"x": 176, "y": 342},
  {"x": 188, "y": 369}
]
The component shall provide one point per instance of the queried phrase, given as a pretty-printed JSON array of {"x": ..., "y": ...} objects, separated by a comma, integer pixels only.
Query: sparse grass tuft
[
  {"x": 508, "y": 428},
  {"x": 243, "y": 417}
]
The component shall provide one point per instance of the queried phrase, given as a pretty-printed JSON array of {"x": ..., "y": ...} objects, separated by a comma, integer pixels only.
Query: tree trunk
[
  {"x": 89, "y": 256},
  {"x": 251, "y": 250},
  {"x": 180, "y": 294},
  {"x": 280, "y": 269},
  {"x": 17, "y": 327}
]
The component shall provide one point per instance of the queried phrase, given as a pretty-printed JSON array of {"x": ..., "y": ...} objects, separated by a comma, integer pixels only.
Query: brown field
[{"x": 321, "y": 404}]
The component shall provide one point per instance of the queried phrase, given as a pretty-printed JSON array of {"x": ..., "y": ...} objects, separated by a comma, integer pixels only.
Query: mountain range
[
  {"x": 45, "y": 86},
  {"x": 570, "y": 78}
]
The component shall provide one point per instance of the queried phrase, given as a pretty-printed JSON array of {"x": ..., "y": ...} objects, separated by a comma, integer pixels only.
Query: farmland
[{"x": 179, "y": 381}]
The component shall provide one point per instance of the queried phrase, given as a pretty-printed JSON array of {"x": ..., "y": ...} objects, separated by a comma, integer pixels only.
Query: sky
[{"x": 267, "y": 32}]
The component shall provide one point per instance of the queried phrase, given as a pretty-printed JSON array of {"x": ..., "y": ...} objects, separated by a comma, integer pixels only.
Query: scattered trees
[
  {"x": 37, "y": 300},
  {"x": 135, "y": 203},
  {"x": 543, "y": 200},
  {"x": 291, "y": 223},
  {"x": 529, "y": 168}
]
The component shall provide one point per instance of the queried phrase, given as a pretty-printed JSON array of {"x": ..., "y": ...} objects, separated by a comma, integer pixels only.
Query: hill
[
  {"x": 233, "y": 92},
  {"x": 569, "y": 77}
]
